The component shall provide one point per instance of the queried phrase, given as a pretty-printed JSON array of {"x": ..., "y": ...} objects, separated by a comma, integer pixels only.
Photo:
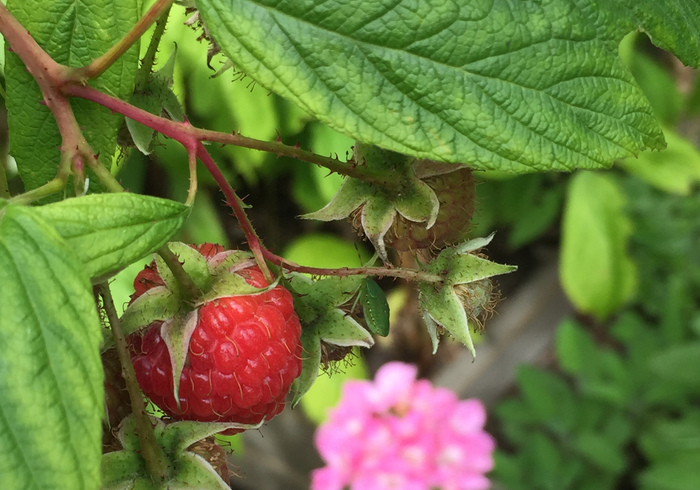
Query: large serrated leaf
[
  {"x": 50, "y": 369},
  {"x": 596, "y": 271},
  {"x": 514, "y": 86},
  {"x": 73, "y": 33},
  {"x": 673, "y": 25},
  {"x": 110, "y": 231}
]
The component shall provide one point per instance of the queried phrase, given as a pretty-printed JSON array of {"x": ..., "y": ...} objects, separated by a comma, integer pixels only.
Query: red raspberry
[{"x": 243, "y": 355}]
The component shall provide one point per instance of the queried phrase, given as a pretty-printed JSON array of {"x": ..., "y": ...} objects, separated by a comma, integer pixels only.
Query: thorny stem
[
  {"x": 185, "y": 134},
  {"x": 99, "y": 65},
  {"x": 236, "y": 205},
  {"x": 152, "y": 453},
  {"x": 49, "y": 75},
  {"x": 181, "y": 131},
  {"x": 150, "y": 57},
  {"x": 407, "y": 274},
  {"x": 188, "y": 288}
]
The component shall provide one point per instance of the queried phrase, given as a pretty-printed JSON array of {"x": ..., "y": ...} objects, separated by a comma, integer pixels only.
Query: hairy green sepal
[
  {"x": 379, "y": 205},
  {"x": 127, "y": 469},
  {"x": 317, "y": 304},
  {"x": 441, "y": 304}
]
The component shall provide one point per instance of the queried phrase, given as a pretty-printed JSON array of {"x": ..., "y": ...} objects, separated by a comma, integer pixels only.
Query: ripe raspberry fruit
[{"x": 242, "y": 357}]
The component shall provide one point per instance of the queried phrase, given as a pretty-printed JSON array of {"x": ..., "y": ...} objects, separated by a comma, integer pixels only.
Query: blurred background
[{"x": 590, "y": 367}]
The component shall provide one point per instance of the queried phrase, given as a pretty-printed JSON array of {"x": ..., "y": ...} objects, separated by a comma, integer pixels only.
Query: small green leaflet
[
  {"x": 596, "y": 270},
  {"x": 375, "y": 307},
  {"x": 110, "y": 231}
]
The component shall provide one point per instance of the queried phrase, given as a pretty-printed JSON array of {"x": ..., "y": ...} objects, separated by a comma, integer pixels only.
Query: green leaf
[
  {"x": 600, "y": 451},
  {"x": 675, "y": 169},
  {"x": 110, "y": 231},
  {"x": 527, "y": 204},
  {"x": 673, "y": 25},
  {"x": 325, "y": 250},
  {"x": 50, "y": 369},
  {"x": 668, "y": 439},
  {"x": 375, "y": 308},
  {"x": 549, "y": 398},
  {"x": 73, "y": 33},
  {"x": 576, "y": 351},
  {"x": 515, "y": 86},
  {"x": 679, "y": 364},
  {"x": 313, "y": 186},
  {"x": 596, "y": 270},
  {"x": 675, "y": 474},
  {"x": 656, "y": 80},
  {"x": 545, "y": 458}
]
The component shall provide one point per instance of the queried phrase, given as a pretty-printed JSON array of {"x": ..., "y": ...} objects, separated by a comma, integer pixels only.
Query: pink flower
[{"x": 399, "y": 433}]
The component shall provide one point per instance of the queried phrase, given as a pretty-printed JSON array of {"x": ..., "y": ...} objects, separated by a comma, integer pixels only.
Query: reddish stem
[
  {"x": 191, "y": 137},
  {"x": 180, "y": 131},
  {"x": 50, "y": 75},
  {"x": 407, "y": 274},
  {"x": 234, "y": 201}
]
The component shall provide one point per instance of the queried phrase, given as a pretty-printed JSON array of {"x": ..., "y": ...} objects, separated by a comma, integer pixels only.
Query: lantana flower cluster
[{"x": 401, "y": 433}]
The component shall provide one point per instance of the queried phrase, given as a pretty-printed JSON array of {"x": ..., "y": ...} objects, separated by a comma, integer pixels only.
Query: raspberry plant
[{"x": 432, "y": 91}]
